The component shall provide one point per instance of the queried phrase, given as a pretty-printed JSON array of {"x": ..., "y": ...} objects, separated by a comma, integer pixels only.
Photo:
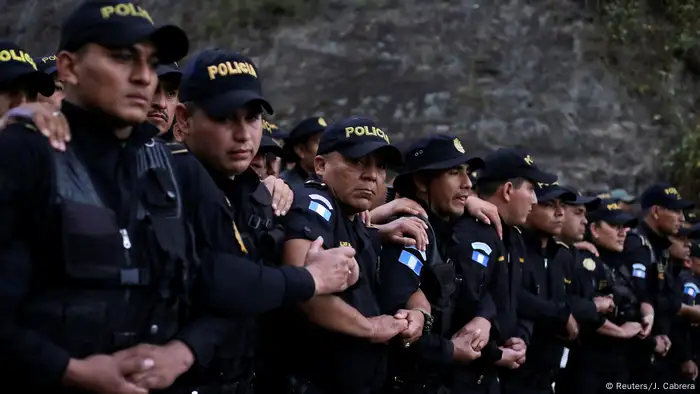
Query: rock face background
[{"x": 496, "y": 73}]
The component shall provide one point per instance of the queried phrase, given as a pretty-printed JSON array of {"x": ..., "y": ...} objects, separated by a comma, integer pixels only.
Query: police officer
[
  {"x": 300, "y": 148},
  {"x": 165, "y": 100},
  {"x": 574, "y": 222},
  {"x": 508, "y": 180},
  {"x": 105, "y": 294},
  {"x": 435, "y": 176},
  {"x": 341, "y": 350},
  {"x": 47, "y": 64},
  {"x": 646, "y": 252},
  {"x": 20, "y": 78},
  {"x": 221, "y": 126},
  {"x": 546, "y": 278},
  {"x": 599, "y": 358}
]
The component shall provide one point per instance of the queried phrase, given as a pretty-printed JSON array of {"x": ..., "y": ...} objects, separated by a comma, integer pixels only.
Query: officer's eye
[
  {"x": 252, "y": 117},
  {"x": 123, "y": 55},
  {"x": 171, "y": 93}
]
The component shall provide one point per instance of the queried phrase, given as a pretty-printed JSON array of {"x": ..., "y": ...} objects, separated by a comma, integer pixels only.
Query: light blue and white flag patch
[
  {"x": 412, "y": 262},
  {"x": 320, "y": 210},
  {"x": 323, "y": 200},
  {"x": 480, "y": 253},
  {"x": 639, "y": 270},
  {"x": 691, "y": 289}
]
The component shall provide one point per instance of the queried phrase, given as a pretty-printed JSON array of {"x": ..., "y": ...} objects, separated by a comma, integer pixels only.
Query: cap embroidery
[
  {"x": 48, "y": 58},
  {"x": 613, "y": 207},
  {"x": 125, "y": 9},
  {"x": 7, "y": 55},
  {"x": 230, "y": 68},
  {"x": 458, "y": 145},
  {"x": 366, "y": 131},
  {"x": 671, "y": 191},
  {"x": 322, "y": 122},
  {"x": 529, "y": 160}
]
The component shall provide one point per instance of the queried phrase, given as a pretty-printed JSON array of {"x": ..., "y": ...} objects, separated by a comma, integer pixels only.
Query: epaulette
[
  {"x": 315, "y": 183},
  {"x": 563, "y": 244},
  {"x": 177, "y": 148},
  {"x": 519, "y": 230}
]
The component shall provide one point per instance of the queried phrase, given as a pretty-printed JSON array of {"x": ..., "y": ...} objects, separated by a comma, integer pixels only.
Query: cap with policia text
[
  {"x": 114, "y": 24},
  {"x": 611, "y": 212},
  {"x": 355, "y": 138},
  {"x": 590, "y": 202},
  {"x": 510, "y": 163},
  {"x": 18, "y": 67},
  {"x": 665, "y": 196},
  {"x": 547, "y": 192},
  {"x": 221, "y": 82},
  {"x": 267, "y": 142},
  {"x": 692, "y": 217},
  {"x": 438, "y": 152},
  {"x": 46, "y": 64},
  {"x": 274, "y": 130}
]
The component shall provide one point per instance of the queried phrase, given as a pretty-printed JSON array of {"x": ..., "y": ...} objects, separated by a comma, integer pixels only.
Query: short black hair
[{"x": 489, "y": 188}]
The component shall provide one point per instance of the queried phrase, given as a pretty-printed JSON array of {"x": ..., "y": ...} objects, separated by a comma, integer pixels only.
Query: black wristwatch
[{"x": 429, "y": 320}]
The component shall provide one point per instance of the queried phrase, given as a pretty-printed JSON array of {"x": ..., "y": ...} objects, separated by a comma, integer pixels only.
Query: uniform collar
[
  {"x": 658, "y": 242},
  {"x": 99, "y": 127}
]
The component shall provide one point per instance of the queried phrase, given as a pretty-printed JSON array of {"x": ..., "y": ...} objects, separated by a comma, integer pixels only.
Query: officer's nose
[
  {"x": 467, "y": 183},
  {"x": 159, "y": 100}
]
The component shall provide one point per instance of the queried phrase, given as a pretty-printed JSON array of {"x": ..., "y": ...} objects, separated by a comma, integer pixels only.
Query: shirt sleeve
[
  {"x": 399, "y": 276},
  {"x": 25, "y": 190}
]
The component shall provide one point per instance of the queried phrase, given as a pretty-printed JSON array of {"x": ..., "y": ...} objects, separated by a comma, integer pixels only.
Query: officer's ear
[
  {"x": 183, "y": 119},
  {"x": 320, "y": 163},
  {"x": 506, "y": 191},
  {"x": 66, "y": 64},
  {"x": 594, "y": 228}
]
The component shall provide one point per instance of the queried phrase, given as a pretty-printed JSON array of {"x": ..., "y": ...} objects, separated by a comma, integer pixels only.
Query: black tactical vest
[{"x": 116, "y": 285}]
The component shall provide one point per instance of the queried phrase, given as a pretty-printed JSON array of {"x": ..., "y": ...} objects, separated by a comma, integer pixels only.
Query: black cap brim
[
  {"x": 589, "y": 202},
  {"x": 271, "y": 148},
  {"x": 618, "y": 218},
  {"x": 390, "y": 152},
  {"x": 474, "y": 163},
  {"x": 170, "y": 41},
  {"x": 536, "y": 175},
  {"x": 691, "y": 232},
  {"x": 556, "y": 193},
  {"x": 680, "y": 205},
  {"x": 223, "y": 105},
  {"x": 38, "y": 81},
  {"x": 165, "y": 70}
]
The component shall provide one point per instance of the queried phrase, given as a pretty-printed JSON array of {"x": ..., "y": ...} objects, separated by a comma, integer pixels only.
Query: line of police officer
[{"x": 188, "y": 266}]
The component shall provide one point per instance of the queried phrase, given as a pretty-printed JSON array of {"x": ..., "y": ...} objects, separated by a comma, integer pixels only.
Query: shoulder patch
[
  {"x": 482, "y": 247},
  {"x": 691, "y": 289},
  {"x": 639, "y": 270},
  {"x": 409, "y": 260},
  {"x": 324, "y": 200},
  {"x": 563, "y": 244},
  {"x": 320, "y": 210}
]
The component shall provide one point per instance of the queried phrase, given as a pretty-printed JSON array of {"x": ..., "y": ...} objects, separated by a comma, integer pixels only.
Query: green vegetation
[{"x": 651, "y": 42}]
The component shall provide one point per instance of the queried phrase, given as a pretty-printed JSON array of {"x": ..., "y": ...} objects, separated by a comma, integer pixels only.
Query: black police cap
[
  {"x": 220, "y": 82},
  {"x": 46, "y": 64},
  {"x": 690, "y": 231},
  {"x": 269, "y": 145},
  {"x": 692, "y": 217},
  {"x": 357, "y": 137},
  {"x": 437, "y": 152},
  {"x": 511, "y": 163},
  {"x": 611, "y": 212},
  {"x": 114, "y": 24},
  {"x": 665, "y": 196},
  {"x": 590, "y": 202},
  {"x": 547, "y": 192},
  {"x": 300, "y": 132},
  {"x": 17, "y": 65}
]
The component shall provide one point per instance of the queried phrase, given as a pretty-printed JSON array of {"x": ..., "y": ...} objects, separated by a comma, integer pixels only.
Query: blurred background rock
[{"x": 603, "y": 91}]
